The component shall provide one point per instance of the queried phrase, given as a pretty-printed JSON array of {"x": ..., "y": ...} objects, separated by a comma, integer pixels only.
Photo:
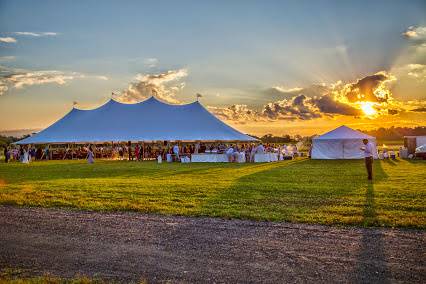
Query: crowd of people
[{"x": 143, "y": 151}]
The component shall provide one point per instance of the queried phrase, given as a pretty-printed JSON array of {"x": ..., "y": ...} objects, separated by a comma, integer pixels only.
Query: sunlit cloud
[
  {"x": 282, "y": 89},
  {"x": 7, "y": 58},
  {"x": 36, "y": 34},
  {"x": 8, "y": 39},
  {"x": 413, "y": 32},
  {"x": 164, "y": 86},
  {"x": 11, "y": 78},
  {"x": 417, "y": 71},
  {"x": 151, "y": 62},
  {"x": 236, "y": 113},
  {"x": 369, "y": 97}
]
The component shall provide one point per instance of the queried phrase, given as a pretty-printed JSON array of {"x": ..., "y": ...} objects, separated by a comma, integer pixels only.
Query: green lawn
[{"x": 312, "y": 191}]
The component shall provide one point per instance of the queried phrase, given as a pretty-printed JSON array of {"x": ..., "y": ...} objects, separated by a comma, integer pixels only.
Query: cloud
[
  {"x": 101, "y": 77},
  {"x": 306, "y": 108},
  {"x": 164, "y": 86},
  {"x": 416, "y": 33},
  {"x": 33, "y": 34},
  {"x": 8, "y": 39},
  {"x": 299, "y": 107},
  {"x": 328, "y": 105},
  {"x": 19, "y": 78},
  {"x": 7, "y": 58},
  {"x": 280, "y": 92},
  {"x": 289, "y": 90},
  {"x": 338, "y": 99},
  {"x": 236, "y": 113},
  {"x": 420, "y": 109},
  {"x": 372, "y": 88},
  {"x": 150, "y": 62},
  {"x": 417, "y": 71}
]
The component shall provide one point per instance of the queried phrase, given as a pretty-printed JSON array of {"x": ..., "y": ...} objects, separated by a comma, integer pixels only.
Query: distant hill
[
  {"x": 18, "y": 133},
  {"x": 396, "y": 133}
]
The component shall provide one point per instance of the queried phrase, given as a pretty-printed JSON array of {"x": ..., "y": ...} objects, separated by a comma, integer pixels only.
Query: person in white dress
[
  {"x": 230, "y": 153},
  {"x": 176, "y": 151},
  {"x": 260, "y": 149},
  {"x": 252, "y": 153},
  {"x": 90, "y": 156},
  {"x": 25, "y": 158}
]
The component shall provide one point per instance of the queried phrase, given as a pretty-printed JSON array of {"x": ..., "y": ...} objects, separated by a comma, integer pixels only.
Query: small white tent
[{"x": 341, "y": 143}]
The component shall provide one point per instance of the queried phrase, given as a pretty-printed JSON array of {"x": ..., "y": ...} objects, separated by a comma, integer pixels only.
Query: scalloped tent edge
[{"x": 146, "y": 121}]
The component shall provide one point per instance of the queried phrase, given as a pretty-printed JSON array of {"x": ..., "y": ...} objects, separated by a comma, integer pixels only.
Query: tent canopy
[
  {"x": 149, "y": 120},
  {"x": 341, "y": 143},
  {"x": 343, "y": 132}
]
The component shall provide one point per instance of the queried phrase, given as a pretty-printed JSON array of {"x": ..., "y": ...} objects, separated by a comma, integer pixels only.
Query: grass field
[{"x": 313, "y": 191}]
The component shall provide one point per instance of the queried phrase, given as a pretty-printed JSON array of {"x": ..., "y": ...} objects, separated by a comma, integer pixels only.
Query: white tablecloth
[
  {"x": 241, "y": 157},
  {"x": 209, "y": 158},
  {"x": 169, "y": 158},
  {"x": 266, "y": 157}
]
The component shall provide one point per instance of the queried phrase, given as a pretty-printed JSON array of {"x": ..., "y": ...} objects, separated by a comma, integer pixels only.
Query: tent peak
[{"x": 344, "y": 131}]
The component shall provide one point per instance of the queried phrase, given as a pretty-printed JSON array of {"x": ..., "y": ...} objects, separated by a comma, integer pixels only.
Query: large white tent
[
  {"x": 341, "y": 143},
  {"x": 150, "y": 120}
]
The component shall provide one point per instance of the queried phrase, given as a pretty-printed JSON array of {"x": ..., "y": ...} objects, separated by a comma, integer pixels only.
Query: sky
[{"x": 279, "y": 67}]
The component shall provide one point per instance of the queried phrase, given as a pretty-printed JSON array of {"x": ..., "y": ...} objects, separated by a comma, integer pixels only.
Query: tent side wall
[
  {"x": 340, "y": 149},
  {"x": 327, "y": 149},
  {"x": 352, "y": 149}
]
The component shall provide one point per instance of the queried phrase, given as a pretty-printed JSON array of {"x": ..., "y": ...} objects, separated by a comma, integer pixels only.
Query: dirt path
[{"x": 131, "y": 246}]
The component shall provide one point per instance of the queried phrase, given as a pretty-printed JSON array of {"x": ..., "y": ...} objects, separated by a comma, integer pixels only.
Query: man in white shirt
[{"x": 368, "y": 154}]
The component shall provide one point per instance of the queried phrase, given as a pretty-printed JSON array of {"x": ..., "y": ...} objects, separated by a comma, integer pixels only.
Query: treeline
[
  {"x": 269, "y": 138},
  {"x": 396, "y": 133},
  {"x": 7, "y": 140}
]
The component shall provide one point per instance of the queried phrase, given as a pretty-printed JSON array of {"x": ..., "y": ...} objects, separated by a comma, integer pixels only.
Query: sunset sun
[{"x": 368, "y": 108}]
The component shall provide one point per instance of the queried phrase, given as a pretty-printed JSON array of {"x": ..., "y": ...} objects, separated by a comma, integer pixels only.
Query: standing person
[
  {"x": 129, "y": 146},
  {"x": 260, "y": 149},
  {"x": 230, "y": 153},
  {"x": 6, "y": 154},
  {"x": 252, "y": 153},
  {"x": 368, "y": 154},
  {"x": 120, "y": 152},
  {"x": 176, "y": 151},
  {"x": 46, "y": 152},
  {"x": 25, "y": 158},
  {"x": 21, "y": 153},
  {"x": 137, "y": 156},
  {"x": 90, "y": 156}
]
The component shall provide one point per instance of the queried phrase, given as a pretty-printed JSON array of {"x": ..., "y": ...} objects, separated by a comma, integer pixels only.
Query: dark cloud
[
  {"x": 299, "y": 107},
  {"x": 328, "y": 105},
  {"x": 236, "y": 113},
  {"x": 392, "y": 111},
  {"x": 366, "y": 88},
  {"x": 420, "y": 109}
]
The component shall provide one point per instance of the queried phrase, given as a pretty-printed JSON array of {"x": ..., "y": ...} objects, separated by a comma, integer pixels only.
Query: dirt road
[{"x": 130, "y": 246}]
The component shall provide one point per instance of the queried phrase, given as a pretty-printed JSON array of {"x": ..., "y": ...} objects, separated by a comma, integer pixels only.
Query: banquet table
[
  {"x": 209, "y": 158},
  {"x": 265, "y": 157}
]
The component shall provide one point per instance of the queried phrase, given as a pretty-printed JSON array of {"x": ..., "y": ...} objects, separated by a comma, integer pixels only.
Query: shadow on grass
[
  {"x": 416, "y": 161},
  {"x": 372, "y": 266},
  {"x": 390, "y": 162},
  {"x": 290, "y": 192},
  {"x": 79, "y": 169}
]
